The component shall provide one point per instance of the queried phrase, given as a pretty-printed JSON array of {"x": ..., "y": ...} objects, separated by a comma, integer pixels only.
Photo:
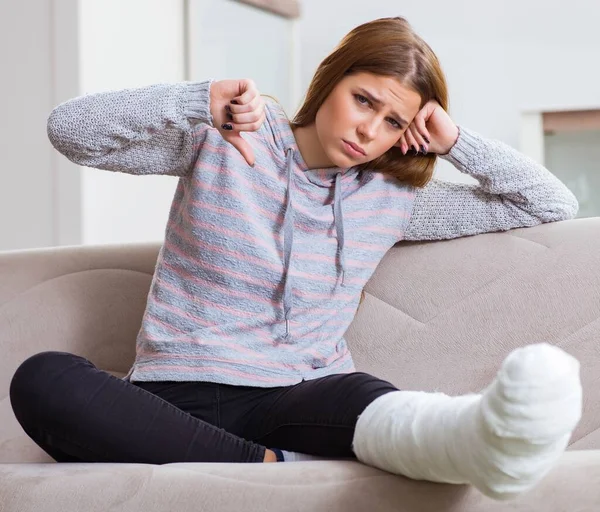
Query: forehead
[{"x": 390, "y": 90}]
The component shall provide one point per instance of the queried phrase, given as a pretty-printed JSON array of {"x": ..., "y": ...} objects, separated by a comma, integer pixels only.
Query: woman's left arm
[{"x": 514, "y": 191}]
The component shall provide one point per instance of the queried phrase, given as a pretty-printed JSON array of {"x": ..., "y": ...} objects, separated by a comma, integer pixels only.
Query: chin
[{"x": 342, "y": 162}]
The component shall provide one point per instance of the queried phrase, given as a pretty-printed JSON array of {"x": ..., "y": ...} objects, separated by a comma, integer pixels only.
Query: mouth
[{"x": 353, "y": 149}]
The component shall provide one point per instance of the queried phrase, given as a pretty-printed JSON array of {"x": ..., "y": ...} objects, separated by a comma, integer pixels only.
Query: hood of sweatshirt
[{"x": 285, "y": 144}]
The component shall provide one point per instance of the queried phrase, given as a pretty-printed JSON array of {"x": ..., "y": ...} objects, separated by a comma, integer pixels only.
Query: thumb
[{"x": 236, "y": 140}]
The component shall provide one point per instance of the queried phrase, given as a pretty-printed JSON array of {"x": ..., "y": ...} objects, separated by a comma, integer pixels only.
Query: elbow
[
  {"x": 53, "y": 128},
  {"x": 568, "y": 207},
  {"x": 571, "y": 208},
  {"x": 555, "y": 209},
  {"x": 63, "y": 131}
]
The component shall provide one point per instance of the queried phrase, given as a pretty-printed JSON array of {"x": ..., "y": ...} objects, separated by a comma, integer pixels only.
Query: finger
[
  {"x": 402, "y": 144},
  {"x": 250, "y": 127},
  {"x": 410, "y": 140},
  {"x": 242, "y": 146},
  {"x": 419, "y": 122},
  {"x": 250, "y": 92},
  {"x": 423, "y": 146},
  {"x": 255, "y": 104},
  {"x": 250, "y": 117},
  {"x": 231, "y": 126}
]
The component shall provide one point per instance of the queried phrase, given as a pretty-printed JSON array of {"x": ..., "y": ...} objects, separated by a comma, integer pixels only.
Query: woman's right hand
[{"x": 236, "y": 106}]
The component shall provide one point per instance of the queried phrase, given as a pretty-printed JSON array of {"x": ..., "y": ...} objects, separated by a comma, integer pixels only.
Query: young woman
[{"x": 271, "y": 238}]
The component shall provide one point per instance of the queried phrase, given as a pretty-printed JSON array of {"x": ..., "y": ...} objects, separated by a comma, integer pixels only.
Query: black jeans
[{"x": 78, "y": 413}]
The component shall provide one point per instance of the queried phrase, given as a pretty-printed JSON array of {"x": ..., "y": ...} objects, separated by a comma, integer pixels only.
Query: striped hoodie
[{"x": 261, "y": 269}]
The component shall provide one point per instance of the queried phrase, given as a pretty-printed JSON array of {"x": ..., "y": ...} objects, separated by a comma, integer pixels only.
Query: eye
[
  {"x": 394, "y": 123},
  {"x": 360, "y": 97},
  {"x": 366, "y": 101}
]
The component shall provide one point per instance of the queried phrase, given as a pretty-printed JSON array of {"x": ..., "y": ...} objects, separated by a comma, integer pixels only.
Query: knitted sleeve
[
  {"x": 513, "y": 191},
  {"x": 147, "y": 130}
]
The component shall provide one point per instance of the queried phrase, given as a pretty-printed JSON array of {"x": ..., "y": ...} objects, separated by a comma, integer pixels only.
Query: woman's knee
[
  {"x": 369, "y": 388},
  {"x": 34, "y": 377}
]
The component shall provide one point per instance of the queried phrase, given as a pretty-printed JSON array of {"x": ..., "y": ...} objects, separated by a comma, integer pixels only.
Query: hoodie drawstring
[
  {"x": 339, "y": 222},
  {"x": 288, "y": 240},
  {"x": 288, "y": 234}
]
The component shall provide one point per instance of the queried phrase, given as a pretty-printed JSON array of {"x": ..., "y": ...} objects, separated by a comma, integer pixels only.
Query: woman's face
[{"x": 368, "y": 111}]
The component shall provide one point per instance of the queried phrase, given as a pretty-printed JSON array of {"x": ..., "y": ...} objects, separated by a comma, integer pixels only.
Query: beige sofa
[{"x": 437, "y": 316}]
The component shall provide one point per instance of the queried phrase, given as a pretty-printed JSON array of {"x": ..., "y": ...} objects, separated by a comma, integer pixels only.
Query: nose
[{"x": 368, "y": 129}]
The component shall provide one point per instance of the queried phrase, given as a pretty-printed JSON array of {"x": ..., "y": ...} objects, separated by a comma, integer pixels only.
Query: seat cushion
[{"x": 331, "y": 486}]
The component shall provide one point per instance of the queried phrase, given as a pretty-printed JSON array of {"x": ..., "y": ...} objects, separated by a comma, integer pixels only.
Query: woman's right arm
[{"x": 147, "y": 130}]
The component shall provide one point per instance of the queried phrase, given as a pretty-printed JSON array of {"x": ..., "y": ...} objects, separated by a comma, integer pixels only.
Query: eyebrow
[{"x": 380, "y": 102}]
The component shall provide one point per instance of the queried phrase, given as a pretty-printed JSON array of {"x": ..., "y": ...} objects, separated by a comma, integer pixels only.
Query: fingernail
[
  {"x": 426, "y": 139},
  {"x": 227, "y": 108},
  {"x": 227, "y": 126},
  {"x": 424, "y": 150},
  {"x": 229, "y": 116},
  {"x": 413, "y": 148},
  {"x": 234, "y": 102}
]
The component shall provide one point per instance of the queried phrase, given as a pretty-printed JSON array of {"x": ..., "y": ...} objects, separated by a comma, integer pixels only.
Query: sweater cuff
[
  {"x": 197, "y": 102},
  {"x": 465, "y": 149}
]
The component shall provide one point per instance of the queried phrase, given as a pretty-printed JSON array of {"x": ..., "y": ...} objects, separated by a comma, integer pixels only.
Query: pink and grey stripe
[{"x": 262, "y": 268}]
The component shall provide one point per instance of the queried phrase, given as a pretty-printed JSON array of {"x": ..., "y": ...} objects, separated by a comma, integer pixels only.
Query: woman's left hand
[{"x": 431, "y": 131}]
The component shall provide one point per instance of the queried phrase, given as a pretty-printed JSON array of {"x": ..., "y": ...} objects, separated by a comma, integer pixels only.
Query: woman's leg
[
  {"x": 315, "y": 417},
  {"x": 502, "y": 441},
  {"x": 78, "y": 413}
]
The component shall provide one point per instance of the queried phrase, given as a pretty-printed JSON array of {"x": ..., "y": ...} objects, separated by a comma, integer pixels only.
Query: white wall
[
  {"x": 500, "y": 58},
  {"x": 128, "y": 44},
  {"x": 55, "y": 50},
  {"x": 233, "y": 40},
  {"x": 26, "y": 181},
  {"x": 137, "y": 42}
]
